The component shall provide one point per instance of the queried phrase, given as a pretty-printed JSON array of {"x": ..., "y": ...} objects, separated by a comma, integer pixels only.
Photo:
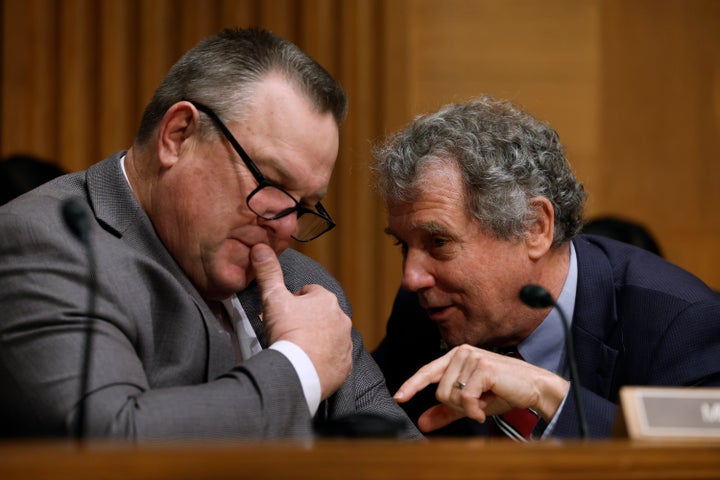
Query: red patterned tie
[{"x": 518, "y": 423}]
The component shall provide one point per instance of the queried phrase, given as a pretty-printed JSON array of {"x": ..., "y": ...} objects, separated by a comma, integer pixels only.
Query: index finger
[{"x": 430, "y": 373}]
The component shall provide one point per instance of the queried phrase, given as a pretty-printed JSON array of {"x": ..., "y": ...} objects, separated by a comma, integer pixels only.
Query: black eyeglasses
[{"x": 271, "y": 202}]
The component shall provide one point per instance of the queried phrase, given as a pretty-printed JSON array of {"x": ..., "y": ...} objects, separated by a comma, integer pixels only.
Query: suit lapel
[
  {"x": 595, "y": 324},
  {"x": 117, "y": 209}
]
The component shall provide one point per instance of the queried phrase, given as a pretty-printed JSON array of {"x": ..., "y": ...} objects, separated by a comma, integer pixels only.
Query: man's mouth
[{"x": 437, "y": 311}]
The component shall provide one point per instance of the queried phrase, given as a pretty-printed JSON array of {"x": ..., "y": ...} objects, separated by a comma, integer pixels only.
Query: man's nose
[
  {"x": 283, "y": 227},
  {"x": 416, "y": 274}
]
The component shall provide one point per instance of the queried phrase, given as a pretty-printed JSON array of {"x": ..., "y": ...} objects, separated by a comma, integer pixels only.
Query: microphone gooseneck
[
  {"x": 536, "y": 296},
  {"x": 77, "y": 220}
]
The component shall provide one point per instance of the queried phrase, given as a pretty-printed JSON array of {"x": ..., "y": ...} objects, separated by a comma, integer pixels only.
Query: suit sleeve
[
  {"x": 365, "y": 391},
  {"x": 599, "y": 412}
]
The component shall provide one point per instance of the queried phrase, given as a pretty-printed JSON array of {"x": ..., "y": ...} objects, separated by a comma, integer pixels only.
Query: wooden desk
[{"x": 362, "y": 459}]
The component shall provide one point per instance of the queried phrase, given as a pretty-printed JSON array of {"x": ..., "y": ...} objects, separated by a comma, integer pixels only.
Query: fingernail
[{"x": 399, "y": 395}]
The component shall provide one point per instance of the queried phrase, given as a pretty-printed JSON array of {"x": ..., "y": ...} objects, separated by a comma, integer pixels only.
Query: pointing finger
[{"x": 430, "y": 373}]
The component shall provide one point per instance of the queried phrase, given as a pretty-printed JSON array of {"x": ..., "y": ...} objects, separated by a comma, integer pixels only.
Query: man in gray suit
[{"x": 232, "y": 157}]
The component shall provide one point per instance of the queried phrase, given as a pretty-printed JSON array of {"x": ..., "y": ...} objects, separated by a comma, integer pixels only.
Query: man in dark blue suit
[{"x": 483, "y": 202}]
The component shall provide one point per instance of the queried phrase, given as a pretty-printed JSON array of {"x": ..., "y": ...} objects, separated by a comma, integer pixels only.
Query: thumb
[
  {"x": 268, "y": 272},
  {"x": 436, "y": 417}
]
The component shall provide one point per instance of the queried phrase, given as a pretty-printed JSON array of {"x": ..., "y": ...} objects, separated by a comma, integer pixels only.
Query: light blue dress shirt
[{"x": 545, "y": 347}]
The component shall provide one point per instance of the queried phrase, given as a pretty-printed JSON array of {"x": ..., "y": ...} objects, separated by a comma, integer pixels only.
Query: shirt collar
[{"x": 122, "y": 167}]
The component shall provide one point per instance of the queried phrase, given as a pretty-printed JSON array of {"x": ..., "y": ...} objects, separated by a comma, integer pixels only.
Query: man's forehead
[{"x": 432, "y": 226}]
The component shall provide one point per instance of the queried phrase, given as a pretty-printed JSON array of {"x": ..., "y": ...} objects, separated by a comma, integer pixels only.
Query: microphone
[
  {"x": 536, "y": 296},
  {"x": 77, "y": 221}
]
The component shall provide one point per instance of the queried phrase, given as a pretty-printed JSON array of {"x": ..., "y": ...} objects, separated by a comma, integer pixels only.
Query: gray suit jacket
[{"x": 162, "y": 367}]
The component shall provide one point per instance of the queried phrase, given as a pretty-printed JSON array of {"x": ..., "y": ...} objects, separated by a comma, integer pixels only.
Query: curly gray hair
[{"x": 506, "y": 157}]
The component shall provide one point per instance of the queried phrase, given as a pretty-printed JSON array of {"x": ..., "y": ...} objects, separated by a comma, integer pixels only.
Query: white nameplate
[{"x": 671, "y": 412}]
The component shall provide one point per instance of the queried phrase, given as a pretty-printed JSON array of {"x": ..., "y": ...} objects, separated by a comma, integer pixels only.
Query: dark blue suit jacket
[{"x": 638, "y": 320}]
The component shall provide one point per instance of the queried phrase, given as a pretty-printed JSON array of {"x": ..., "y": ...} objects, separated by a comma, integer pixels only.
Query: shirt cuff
[
  {"x": 305, "y": 371},
  {"x": 548, "y": 430}
]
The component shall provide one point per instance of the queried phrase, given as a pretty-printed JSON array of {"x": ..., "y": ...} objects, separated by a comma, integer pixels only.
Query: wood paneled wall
[
  {"x": 660, "y": 128},
  {"x": 631, "y": 85}
]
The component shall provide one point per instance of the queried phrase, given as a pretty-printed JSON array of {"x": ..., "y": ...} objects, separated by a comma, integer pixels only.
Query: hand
[
  {"x": 312, "y": 319},
  {"x": 494, "y": 384}
]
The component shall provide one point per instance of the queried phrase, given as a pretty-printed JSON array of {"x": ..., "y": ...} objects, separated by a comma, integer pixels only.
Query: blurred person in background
[
  {"x": 21, "y": 173},
  {"x": 623, "y": 230}
]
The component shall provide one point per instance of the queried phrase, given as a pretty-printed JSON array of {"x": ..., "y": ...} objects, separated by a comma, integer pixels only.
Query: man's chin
[
  {"x": 448, "y": 339},
  {"x": 234, "y": 282}
]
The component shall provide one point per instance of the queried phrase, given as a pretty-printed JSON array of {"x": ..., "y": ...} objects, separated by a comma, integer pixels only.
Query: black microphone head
[
  {"x": 76, "y": 218},
  {"x": 536, "y": 296}
]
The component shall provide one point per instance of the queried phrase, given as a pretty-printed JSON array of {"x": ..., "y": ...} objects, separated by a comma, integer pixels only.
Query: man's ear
[
  {"x": 177, "y": 125},
  {"x": 539, "y": 235}
]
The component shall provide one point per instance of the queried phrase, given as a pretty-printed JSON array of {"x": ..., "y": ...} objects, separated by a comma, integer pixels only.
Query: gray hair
[
  {"x": 506, "y": 157},
  {"x": 221, "y": 72}
]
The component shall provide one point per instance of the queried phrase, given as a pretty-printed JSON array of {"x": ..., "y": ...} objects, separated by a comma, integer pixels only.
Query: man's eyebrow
[
  {"x": 282, "y": 178},
  {"x": 434, "y": 228},
  {"x": 431, "y": 228},
  {"x": 388, "y": 231}
]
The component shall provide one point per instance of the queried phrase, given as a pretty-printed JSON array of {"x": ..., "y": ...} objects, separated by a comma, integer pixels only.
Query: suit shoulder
[
  {"x": 300, "y": 270},
  {"x": 634, "y": 267}
]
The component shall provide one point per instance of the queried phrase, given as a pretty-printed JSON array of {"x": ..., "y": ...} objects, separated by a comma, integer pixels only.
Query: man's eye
[
  {"x": 402, "y": 245},
  {"x": 438, "y": 242}
]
